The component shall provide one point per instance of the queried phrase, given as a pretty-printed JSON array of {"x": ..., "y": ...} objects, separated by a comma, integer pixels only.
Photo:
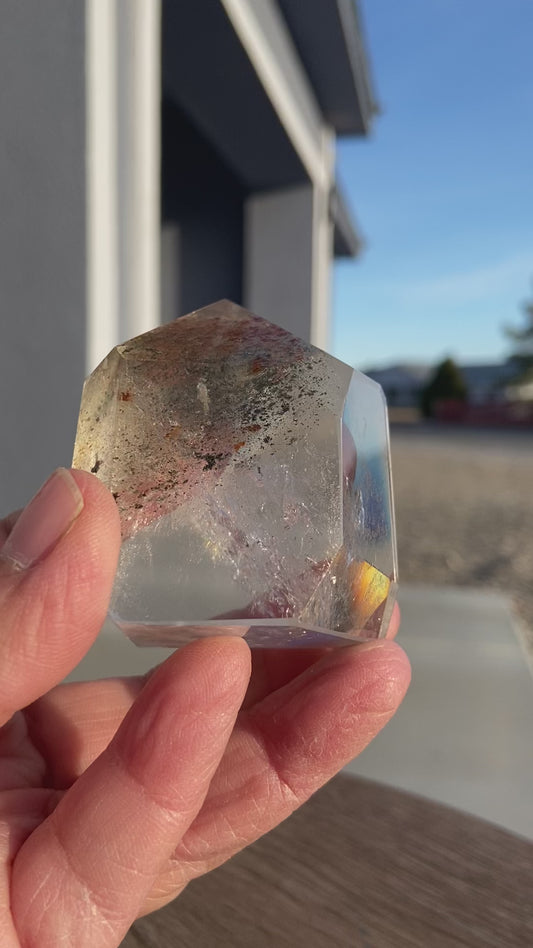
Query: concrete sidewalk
[{"x": 464, "y": 734}]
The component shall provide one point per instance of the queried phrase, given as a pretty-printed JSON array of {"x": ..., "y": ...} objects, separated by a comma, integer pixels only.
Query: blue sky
[{"x": 442, "y": 189}]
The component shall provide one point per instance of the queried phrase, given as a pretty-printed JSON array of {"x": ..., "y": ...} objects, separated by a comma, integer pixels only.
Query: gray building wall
[
  {"x": 202, "y": 200},
  {"x": 278, "y": 263},
  {"x": 42, "y": 238},
  {"x": 247, "y": 170}
]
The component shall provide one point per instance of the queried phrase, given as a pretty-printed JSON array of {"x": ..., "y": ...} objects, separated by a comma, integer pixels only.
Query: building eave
[
  {"x": 347, "y": 242},
  {"x": 330, "y": 41}
]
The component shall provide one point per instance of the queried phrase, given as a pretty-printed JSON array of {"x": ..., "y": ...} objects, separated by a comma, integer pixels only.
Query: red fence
[{"x": 507, "y": 414}]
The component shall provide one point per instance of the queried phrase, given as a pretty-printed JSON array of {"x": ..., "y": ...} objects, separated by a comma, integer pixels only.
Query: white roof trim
[
  {"x": 123, "y": 169},
  {"x": 274, "y": 59}
]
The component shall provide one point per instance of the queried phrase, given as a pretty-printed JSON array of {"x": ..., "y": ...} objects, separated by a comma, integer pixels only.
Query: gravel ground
[{"x": 464, "y": 509}]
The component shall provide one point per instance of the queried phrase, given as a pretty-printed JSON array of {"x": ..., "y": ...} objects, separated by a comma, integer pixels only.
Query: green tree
[
  {"x": 445, "y": 383},
  {"x": 523, "y": 344}
]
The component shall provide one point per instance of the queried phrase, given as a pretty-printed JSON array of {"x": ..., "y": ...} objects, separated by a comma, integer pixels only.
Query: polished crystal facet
[{"x": 251, "y": 472}]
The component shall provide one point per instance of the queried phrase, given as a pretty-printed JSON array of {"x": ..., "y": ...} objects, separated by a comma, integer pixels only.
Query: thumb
[{"x": 57, "y": 566}]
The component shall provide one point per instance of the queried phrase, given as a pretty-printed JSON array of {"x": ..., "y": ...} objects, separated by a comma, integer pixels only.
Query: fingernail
[{"x": 44, "y": 520}]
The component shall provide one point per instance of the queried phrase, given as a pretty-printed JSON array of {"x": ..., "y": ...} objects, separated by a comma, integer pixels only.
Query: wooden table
[{"x": 360, "y": 866}]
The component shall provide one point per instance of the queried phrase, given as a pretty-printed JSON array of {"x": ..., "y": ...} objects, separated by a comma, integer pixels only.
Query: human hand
[{"x": 115, "y": 793}]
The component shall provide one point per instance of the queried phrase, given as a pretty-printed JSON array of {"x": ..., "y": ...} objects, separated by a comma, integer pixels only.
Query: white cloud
[{"x": 484, "y": 282}]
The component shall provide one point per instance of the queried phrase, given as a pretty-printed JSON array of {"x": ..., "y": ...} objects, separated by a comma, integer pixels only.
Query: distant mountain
[{"x": 401, "y": 383}]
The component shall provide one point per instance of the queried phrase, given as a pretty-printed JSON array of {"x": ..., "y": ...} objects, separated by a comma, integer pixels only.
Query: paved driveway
[{"x": 464, "y": 507}]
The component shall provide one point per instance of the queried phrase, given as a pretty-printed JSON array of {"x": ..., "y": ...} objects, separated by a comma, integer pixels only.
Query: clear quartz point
[{"x": 252, "y": 476}]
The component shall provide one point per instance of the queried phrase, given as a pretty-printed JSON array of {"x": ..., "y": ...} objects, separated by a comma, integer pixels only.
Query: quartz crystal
[{"x": 252, "y": 475}]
